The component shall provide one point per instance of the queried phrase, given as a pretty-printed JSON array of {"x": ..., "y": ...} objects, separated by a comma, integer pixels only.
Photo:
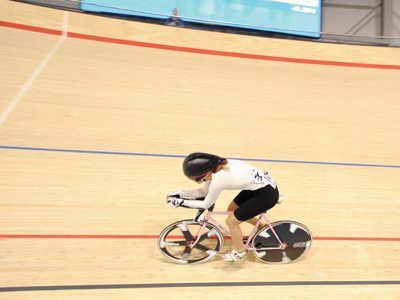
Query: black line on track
[{"x": 195, "y": 284}]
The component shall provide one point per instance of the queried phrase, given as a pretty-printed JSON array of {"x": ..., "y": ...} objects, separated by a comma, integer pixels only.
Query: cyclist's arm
[
  {"x": 199, "y": 193},
  {"x": 211, "y": 197}
]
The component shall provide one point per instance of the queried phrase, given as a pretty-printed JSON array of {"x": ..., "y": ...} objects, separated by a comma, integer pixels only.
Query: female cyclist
[{"x": 259, "y": 192}]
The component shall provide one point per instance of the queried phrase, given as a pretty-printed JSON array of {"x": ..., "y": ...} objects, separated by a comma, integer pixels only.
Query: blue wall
[{"x": 301, "y": 17}]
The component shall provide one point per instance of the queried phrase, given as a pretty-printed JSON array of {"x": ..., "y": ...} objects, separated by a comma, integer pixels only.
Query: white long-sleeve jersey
[{"x": 240, "y": 176}]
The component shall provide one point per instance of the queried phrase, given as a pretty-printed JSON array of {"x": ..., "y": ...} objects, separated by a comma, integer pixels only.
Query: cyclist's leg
[
  {"x": 250, "y": 204},
  {"x": 241, "y": 198},
  {"x": 236, "y": 232},
  {"x": 263, "y": 199},
  {"x": 234, "y": 226}
]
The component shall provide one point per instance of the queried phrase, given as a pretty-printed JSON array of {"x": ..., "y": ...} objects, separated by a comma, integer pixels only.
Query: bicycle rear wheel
[
  {"x": 175, "y": 239},
  {"x": 296, "y": 237}
]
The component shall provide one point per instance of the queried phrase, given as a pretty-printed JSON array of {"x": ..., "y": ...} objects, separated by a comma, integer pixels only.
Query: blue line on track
[{"x": 182, "y": 156}]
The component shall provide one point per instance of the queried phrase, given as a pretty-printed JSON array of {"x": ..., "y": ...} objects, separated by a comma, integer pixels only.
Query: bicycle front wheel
[
  {"x": 174, "y": 242},
  {"x": 295, "y": 237}
]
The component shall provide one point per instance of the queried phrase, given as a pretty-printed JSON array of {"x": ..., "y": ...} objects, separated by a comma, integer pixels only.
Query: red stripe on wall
[{"x": 198, "y": 51}]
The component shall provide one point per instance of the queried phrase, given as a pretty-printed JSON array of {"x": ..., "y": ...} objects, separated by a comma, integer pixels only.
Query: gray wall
[
  {"x": 64, "y": 4},
  {"x": 395, "y": 26},
  {"x": 362, "y": 20}
]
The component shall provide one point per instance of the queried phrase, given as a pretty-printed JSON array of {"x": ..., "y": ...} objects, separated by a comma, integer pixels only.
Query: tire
[
  {"x": 296, "y": 236},
  {"x": 174, "y": 239}
]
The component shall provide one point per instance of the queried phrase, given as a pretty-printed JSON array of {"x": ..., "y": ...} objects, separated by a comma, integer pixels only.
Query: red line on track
[
  {"x": 196, "y": 50},
  {"x": 30, "y": 28},
  {"x": 95, "y": 236},
  {"x": 369, "y": 239},
  {"x": 74, "y": 236}
]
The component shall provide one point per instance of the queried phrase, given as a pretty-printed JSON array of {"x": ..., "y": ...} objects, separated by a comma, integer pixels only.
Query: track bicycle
[{"x": 198, "y": 241}]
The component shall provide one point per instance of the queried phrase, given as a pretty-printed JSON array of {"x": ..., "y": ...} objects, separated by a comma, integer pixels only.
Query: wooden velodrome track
[{"x": 96, "y": 117}]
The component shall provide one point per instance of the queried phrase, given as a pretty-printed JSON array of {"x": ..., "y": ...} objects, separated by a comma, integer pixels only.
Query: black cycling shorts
[{"x": 253, "y": 203}]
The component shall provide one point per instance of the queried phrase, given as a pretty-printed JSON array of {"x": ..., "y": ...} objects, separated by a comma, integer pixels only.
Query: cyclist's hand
[
  {"x": 177, "y": 194},
  {"x": 174, "y": 202}
]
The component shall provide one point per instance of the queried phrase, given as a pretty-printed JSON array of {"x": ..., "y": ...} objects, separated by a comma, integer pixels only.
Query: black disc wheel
[{"x": 295, "y": 237}]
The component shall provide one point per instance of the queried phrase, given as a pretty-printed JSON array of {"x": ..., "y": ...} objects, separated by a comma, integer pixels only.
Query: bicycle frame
[{"x": 247, "y": 246}]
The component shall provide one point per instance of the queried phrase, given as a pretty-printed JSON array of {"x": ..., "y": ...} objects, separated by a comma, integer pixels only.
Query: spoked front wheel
[
  {"x": 175, "y": 240},
  {"x": 296, "y": 239}
]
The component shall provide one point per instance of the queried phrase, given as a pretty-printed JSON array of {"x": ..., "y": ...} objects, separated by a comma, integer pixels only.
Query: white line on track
[{"x": 36, "y": 73}]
